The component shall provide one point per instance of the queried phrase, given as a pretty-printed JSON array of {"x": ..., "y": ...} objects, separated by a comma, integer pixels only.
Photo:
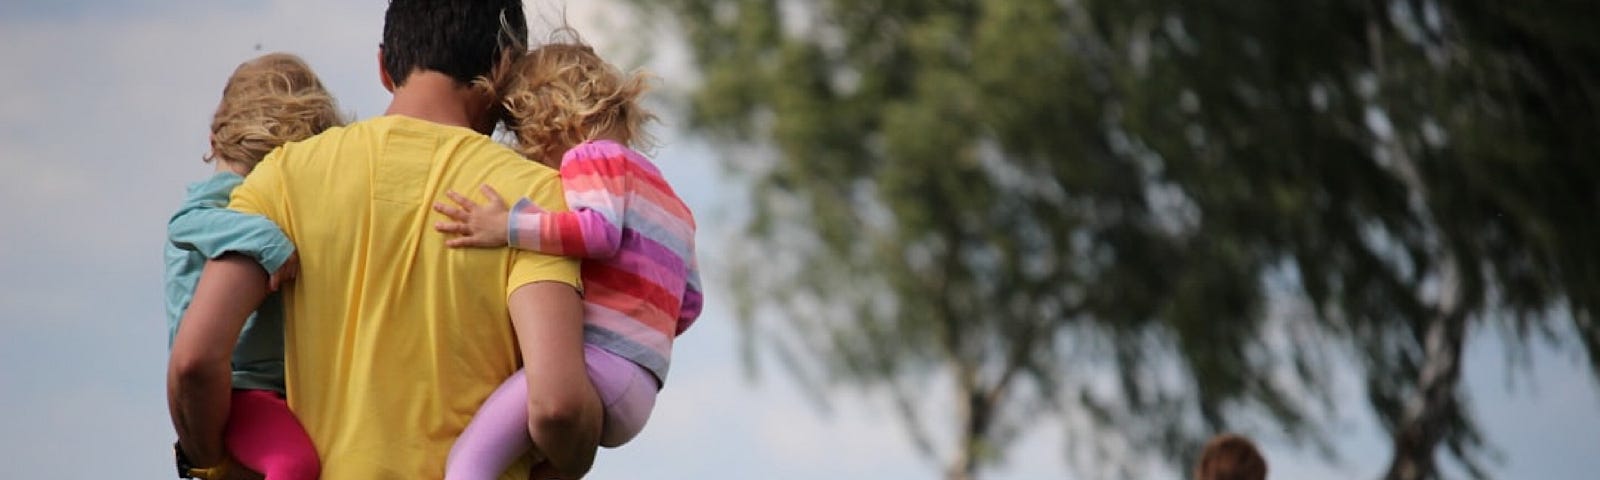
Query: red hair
[{"x": 1230, "y": 457}]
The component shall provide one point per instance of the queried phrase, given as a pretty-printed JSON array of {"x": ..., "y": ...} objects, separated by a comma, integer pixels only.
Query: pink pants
[
  {"x": 498, "y": 434},
  {"x": 263, "y": 435}
]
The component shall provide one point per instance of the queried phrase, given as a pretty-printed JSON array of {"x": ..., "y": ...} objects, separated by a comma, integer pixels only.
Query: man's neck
[{"x": 434, "y": 97}]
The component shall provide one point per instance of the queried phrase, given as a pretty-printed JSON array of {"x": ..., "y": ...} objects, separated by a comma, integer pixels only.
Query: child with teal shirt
[{"x": 268, "y": 101}]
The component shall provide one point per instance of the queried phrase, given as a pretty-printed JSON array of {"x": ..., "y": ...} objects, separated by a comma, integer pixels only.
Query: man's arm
[
  {"x": 564, "y": 412},
  {"x": 200, "y": 373}
]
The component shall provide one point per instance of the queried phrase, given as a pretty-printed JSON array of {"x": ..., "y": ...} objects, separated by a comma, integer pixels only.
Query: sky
[{"x": 104, "y": 107}]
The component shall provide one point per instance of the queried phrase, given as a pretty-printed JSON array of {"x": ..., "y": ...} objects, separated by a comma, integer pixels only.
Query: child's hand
[
  {"x": 286, "y": 273},
  {"x": 478, "y": 225}
]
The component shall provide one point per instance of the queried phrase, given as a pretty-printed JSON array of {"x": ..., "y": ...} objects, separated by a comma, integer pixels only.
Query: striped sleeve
[
  {"x": 597, "y": 185},
  {"x": 693, "y": 300}
]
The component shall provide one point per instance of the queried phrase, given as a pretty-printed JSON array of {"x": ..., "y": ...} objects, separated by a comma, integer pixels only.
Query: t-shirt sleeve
[
  {"x": 262, "y": 191},
  {"x": 214, "y": 231},
  {"x": 530, "y": 266}
]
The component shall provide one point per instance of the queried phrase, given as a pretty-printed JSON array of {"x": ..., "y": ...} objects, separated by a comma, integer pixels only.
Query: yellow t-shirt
[{"x": 392, "y": 339}]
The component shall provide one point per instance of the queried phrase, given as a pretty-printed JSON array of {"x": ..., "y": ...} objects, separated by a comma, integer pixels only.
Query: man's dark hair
[{"x": 460, "y": 38}]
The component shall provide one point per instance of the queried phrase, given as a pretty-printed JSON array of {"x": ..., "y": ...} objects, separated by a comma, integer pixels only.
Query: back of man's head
[
  {"x": 1230, "y": 457},
  {"x": 460, "y": 38}
]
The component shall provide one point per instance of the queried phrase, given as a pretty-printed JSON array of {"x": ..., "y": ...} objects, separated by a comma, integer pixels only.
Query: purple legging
[
  {"x": 498, "y": 434},
  {"x": 266, "y": 437}
]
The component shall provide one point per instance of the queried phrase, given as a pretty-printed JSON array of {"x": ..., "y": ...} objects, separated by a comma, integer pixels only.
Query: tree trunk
[
  {"x": 979, "y": 403},
  {"x": 975, "y": 411},
  {"x": 1425, "y": 412},
  {"x": 1422, "y": 426},
  {"x": 962, "y": 469},
  {"x": 1422, "y": 423}
]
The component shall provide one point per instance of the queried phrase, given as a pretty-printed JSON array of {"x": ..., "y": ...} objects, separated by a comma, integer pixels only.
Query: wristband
[{"x": 188, "y": 470}]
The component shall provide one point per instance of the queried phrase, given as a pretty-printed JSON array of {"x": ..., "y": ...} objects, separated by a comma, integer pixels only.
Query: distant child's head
[
  {"x": 562, "y": 94},
  {"x": 269, "y": 101},
  {"x": 1230, "y": 457}
]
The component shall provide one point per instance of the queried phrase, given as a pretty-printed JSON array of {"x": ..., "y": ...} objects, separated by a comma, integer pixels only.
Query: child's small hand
[
  {"x": 477, "y": 225},
  {"x": 286, "y": 273}
]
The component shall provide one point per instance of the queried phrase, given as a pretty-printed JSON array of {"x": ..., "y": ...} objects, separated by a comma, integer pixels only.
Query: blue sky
[{"x": 103, "y": 121}]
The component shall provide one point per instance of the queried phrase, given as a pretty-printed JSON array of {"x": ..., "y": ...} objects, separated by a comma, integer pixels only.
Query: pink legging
[
  {"x": 265, "y": 436},
  {"x": 498, "y": 434}
]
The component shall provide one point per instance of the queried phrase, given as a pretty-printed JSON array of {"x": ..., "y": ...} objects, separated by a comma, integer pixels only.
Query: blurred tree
[
  {"x": 1424, "y": 165},
  {"x": 1078, "y": 213}
]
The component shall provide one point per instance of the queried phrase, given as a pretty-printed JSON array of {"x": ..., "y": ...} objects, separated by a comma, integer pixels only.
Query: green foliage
[{"x": 1081, "y": 211}]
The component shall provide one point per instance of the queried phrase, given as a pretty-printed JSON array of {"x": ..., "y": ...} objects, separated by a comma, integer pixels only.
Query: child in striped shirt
[{"x": 571, "y": 110}]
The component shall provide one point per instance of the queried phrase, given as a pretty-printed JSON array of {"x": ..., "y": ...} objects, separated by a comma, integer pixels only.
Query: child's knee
[
  {"x": 625, "y": 418},
  {"x": 611, "y": 439},
  {"x": 293, "y": 468}
]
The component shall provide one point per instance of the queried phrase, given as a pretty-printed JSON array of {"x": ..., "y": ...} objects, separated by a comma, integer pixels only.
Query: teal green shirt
[{"x": 203, "y": 229}]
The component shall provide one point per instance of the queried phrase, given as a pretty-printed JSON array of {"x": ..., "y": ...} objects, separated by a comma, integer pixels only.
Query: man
[{"x": 392, "y": 339}]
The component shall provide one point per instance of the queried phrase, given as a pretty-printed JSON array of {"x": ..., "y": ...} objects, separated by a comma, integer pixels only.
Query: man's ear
[{"x": 383, "y": 73}]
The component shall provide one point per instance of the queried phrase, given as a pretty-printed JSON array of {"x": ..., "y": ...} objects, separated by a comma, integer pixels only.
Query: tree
[
  {"x": 1421, "y": 162},
  {"x": 1079, "y": 211}
]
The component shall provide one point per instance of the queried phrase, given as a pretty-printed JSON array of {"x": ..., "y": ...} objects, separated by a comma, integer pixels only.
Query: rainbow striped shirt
[{"x": 641, "y": 283}]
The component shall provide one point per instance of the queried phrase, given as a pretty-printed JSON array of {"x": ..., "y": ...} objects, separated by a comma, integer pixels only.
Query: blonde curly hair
[
  {"x": 269, "y": 101},
  {"x": 562, "y": 94}
]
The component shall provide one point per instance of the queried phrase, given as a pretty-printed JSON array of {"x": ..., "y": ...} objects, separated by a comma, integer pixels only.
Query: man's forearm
[
  {"x": 198, "y": 400},
  {"x": 199, "y": 372},
  {"x": 569, "y": 442},
  {"x": 564, "y": 412}
]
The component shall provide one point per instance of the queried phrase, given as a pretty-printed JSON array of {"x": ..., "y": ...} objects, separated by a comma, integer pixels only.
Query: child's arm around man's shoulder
[
  {"x": 597, "y": 186},
  {"x": 205, "y": 225}
]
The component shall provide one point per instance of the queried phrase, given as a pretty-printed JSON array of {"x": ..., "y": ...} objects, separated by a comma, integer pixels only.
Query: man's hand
[
  {"x": 543, "y": 470},
  {"x": 477, "y": 225},
  {"x": 240, "y": 472},
  {"x": 227, "y": 470},
  {"x": 286, "y": 273}
]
